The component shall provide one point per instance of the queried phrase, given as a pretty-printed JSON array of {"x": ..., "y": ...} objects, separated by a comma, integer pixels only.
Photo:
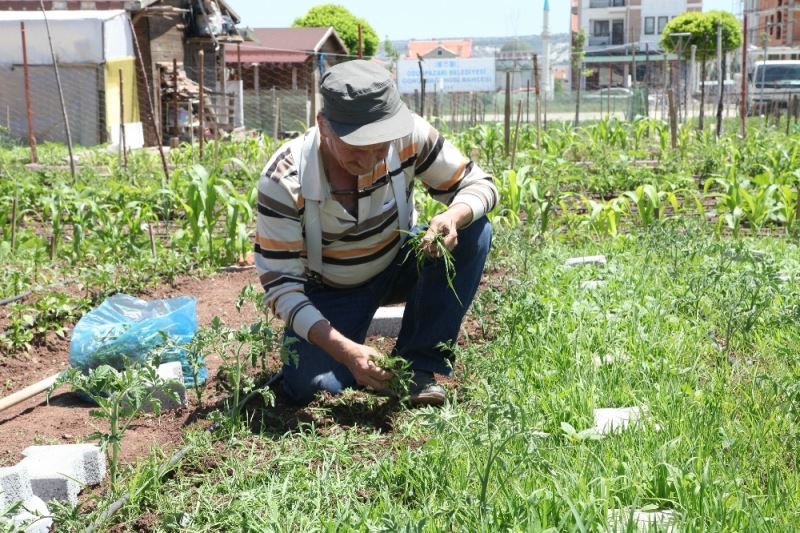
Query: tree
[
  {"x": 517, "y": 45},
  {"x": 345, "y": 24},
  {"x": 702, "y": 30}
]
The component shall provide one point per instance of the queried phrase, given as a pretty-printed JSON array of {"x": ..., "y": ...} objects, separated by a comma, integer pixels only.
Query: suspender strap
[{"x": 308, "y": 168}]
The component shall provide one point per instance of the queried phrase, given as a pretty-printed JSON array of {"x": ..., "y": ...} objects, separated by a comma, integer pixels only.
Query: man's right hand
[
  {"x": 365, "y": 371},
  {"x": 358, "y": 358}
]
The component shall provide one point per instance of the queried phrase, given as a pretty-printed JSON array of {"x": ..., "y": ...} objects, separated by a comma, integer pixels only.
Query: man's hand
[
  {"x": 365, "y": 371},
  {"x": 358, "y": 358},
  {"x": 446, "y": 224}
]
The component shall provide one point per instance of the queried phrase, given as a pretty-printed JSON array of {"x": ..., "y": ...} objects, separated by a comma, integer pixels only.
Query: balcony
[{"x": 606, "y": 3}]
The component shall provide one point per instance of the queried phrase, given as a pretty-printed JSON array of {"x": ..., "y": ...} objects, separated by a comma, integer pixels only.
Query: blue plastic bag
[{"x": 123, "y": 330}]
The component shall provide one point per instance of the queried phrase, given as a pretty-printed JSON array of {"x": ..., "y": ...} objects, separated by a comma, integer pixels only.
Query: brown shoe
[{"x": 424, "y": 390}]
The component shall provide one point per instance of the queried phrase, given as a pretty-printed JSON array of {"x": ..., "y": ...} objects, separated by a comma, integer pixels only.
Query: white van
[{"x": 772, "y": 84}]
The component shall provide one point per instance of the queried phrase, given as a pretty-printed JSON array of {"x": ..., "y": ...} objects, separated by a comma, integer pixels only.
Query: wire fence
[{"x": 195, "y": 97}]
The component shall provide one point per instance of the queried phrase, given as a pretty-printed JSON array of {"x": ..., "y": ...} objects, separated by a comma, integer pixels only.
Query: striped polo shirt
[{"x": 354, "y": 248}]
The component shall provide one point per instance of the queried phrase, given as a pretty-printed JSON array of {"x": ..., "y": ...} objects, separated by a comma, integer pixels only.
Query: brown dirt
[{"x": 66, "y": 419}]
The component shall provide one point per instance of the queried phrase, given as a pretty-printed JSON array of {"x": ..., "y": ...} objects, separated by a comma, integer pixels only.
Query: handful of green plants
[
  {"x": 401, "y": 373},
  {"x": 424, "y": 246}
]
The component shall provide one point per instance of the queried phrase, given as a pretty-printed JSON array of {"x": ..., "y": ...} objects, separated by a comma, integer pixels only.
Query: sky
[{"x": 432, "y": 19}]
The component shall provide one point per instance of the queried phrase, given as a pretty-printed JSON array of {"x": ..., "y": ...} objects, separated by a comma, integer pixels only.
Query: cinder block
[
  {"x": 662, "y": 521},
  {"x": 386, "y": 322},
  {"x": 599, "y": 260},
  {"x": 168, "y": 371},
  {"x": 15, "y": 486},
  {"x": 60, "y": 472},
  {"x": 90, "y": 459},
  {"x": 610, "y": 420},
  {"x": 32, "y": 517}
]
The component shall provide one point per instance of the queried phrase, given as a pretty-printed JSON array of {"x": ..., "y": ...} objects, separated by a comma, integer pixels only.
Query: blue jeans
[{"x": 431, "y": 321}]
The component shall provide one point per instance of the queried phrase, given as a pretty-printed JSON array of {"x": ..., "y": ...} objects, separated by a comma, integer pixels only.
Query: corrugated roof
[{"x": 284, "y": 45}]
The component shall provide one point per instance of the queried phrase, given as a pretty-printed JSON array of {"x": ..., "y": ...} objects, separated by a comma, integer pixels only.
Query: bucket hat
[{"x": 362, "y": 104}]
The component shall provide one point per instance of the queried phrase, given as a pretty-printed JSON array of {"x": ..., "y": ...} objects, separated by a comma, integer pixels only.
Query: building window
[
  {"x": 649, "y": 25},
  {"x": 600, "y": 28},
  {"x": 662, "y": 23}
]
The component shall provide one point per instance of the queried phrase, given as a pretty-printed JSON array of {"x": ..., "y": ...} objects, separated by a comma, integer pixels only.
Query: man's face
[{"x": 357, "y": 160}]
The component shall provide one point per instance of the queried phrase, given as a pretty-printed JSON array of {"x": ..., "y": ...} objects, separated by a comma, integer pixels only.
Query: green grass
[{"x": 719, "y": 444}]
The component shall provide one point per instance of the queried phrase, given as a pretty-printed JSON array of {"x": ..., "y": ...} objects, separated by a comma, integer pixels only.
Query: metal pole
[
  {"x": 60, "y": 90},
  {"x": 28, "y": 106},
  {"x": 122, "y": 140},
  {"x": 202, "y": 74},
  {"x": 138, "y": 50}
]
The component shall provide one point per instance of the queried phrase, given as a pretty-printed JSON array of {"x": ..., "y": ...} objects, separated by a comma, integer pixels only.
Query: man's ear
[{"x": 322, "y": 124}]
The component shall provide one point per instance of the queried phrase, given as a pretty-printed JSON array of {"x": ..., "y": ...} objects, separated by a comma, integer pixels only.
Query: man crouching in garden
[{"x": 335, "y": 210}]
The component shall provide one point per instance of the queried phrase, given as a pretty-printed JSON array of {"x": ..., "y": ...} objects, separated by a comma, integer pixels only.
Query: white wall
[{"x": 655, "y": 8}]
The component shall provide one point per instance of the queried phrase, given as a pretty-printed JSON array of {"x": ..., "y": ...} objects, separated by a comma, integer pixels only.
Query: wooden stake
[
  {"x": 516, "y": 133},
  {"x": 361, "y": 42},
  {"x": 122, "y": 140},
  {"x": 673, "y": 115},
  {"x": 14, "y": 224},
  {"x": 537, "y": 88},
  {"x": 27, "y": 392},
  {"x": 743, "y": 103},
  {"x": 202, "y": 90},
  {"x": 60, "y": 91},
  {"x": 152, "y": 240},
  {"x": 28, "y": 105},
  {"x": 507, "y": 116},
  {"x": 175, "y": 102},
  {"x": 156, "y": 129}
]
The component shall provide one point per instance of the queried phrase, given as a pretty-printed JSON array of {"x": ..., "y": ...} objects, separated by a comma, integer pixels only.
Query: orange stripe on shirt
[
  {"x": 355, "y": 252},
  {"x": 272, "y": 244},
  {"x": 408, "y": 151},
  {"x": 452, "y": 181},
  {"x": 368, "y": 179}
]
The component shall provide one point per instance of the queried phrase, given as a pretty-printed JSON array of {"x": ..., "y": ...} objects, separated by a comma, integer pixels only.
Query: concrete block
[
  {"x": 599, "y": 260},
  {"x": 170, "y": 371},
  {"x": 611, "y": 420},
  {"x": 15, "y": 486},
  {"x": 642, "y": 521},
  {"x": 386, "y": 322},
  {"x": 90, "y": 460},
  {"x": 32, "y": 517},
  {"x": 168, "y": 403},
  {"x": 592, "y": 284},
  {"x": 608, "y": 359}
]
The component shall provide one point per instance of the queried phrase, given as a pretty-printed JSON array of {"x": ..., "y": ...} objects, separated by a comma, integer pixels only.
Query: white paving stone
[
  {"x": 592, "y": 284},
  {"x": 586, "y": 260},
  {"x": 612, "y": 419},
  {"x": 386, "y": 322},
  {"x": 619, "y": 520},
  {"x": 608, "y": 359}
]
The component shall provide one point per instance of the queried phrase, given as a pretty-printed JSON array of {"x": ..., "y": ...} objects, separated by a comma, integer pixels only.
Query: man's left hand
[{"x": 446, "y": 224}]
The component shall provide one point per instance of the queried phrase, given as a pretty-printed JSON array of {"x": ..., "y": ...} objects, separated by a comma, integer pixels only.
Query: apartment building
[
  {"x": 776, "y": 20},
  {"x": 618, "y": 30}
]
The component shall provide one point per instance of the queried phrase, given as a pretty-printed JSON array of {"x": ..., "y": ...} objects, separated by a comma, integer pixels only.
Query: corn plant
[
  {"x": 649, "y": 202},
  {"x": 121, "y": 396}
]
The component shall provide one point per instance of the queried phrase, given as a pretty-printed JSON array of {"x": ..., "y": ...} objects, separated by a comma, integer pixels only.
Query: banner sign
[{"x": 447, "y": 75}]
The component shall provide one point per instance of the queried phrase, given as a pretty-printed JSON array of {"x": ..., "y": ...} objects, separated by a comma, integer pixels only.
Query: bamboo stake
[
  {"x": 175, "y": 101},
  {"x": 60, "y": 91},
  {"x": 152, "y": 240},
  {"x": 28, "y": 105},
  {"x": 150, "y": 106}
]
